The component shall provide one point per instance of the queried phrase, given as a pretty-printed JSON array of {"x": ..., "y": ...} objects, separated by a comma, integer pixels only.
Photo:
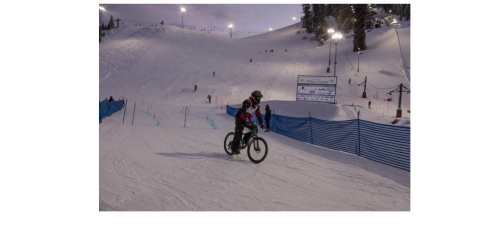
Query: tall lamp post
[
  {"x": 100, "y": 11},
  {"x": 330, "y": 31},
  {"x": 230, "y": 31},
  {"x": 183, "y": 10},
  {"x": 359, "y": 53},
  {"x": 336, "y": 36}
]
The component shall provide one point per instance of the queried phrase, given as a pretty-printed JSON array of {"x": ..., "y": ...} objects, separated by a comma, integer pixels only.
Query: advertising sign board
[{"x": 316, "y": 88}]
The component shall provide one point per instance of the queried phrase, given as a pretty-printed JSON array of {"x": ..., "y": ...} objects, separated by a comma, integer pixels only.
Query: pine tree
[
  {"x": 386, "y": 7},
  {"x": 319, "y": 22},
  {"x": 344, "y": 17},
  {"x": 307, "y": 18},
  {"x": 329, "y": 10},
  {"x": 111, "y": 24},
  {"x": 401, "y": 10},
  {"x": 406, "y": 12}
]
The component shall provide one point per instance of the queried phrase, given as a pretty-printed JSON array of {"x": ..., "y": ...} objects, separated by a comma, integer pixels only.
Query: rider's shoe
[{"x": 235, "y": 151}]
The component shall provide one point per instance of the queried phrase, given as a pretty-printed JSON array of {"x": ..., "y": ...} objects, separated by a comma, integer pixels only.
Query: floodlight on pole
[
  {"x": 337, "y": 36},
  {"x": 330, "y": 31},
  {"x": 100, "y": 8},
  {"x": 270, "y": 29},
  {"x": 359, "y": 53},
  {"x": 230, "y": 31},
  {"x": 293, "y": 18},
  {"x": 183, "y": 10}
]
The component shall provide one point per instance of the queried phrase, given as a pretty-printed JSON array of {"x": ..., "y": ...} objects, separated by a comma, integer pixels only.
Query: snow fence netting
[{"x": 107, "y": 108}]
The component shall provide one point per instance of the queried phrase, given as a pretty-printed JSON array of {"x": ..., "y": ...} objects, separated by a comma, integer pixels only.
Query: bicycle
[{"x": 255, "y": 150}]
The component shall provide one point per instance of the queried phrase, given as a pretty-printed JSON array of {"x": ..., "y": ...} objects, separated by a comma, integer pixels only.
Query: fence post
[
  {"x": 185, "y": 112},
  {"x": 312, "y": 141},
  {"x": 123, "y": 122},
  {"x": 133, "y": 115},
  {"x": 274, "y": 130},
  {"x": 359, "y": 137}
]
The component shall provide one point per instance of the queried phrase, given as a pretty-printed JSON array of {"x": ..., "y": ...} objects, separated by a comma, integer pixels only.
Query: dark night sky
[{"x": 242, "y": 16}]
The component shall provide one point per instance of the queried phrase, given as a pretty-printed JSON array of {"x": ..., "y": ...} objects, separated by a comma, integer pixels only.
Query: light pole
[
  {"x": 330, "y": 31},
  {"x": 183, "y": 10},
  {"x": 230, "y": 31},
  {"x": 336, "y": 36},
  {"x": 101, "y": 8},
  {"x": 359, "y": 53}
]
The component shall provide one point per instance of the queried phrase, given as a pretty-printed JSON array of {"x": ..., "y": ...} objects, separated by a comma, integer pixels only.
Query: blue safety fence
[
  {"x": 385, "y": 144},
  {"x": 107, "y": 108}
]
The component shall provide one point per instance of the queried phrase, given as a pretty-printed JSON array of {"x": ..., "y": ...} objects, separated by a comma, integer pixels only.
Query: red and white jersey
[{"x": 250, "y": 109}]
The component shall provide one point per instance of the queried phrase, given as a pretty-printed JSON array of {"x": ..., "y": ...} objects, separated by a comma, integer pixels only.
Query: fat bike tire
[
  {"x": 254, "y": 154},
  {"x": 227, "y": 142}
]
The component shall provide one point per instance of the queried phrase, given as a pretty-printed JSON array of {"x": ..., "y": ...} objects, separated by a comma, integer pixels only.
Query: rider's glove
[
  {"x": 247, "y": 122},
  {"x": 262, "y": 126}
]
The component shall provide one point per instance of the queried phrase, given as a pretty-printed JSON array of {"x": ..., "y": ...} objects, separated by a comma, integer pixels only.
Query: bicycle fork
[{"x": 256, "y": 146}]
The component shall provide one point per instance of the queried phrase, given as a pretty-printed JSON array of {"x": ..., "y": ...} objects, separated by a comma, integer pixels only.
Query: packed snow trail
[{"x": 157, "y": 164}]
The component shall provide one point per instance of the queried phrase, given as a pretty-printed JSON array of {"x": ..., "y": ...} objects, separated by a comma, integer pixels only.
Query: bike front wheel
[
  {"x": 257, "y": 150},
  {"x": 228, "y": 141}
]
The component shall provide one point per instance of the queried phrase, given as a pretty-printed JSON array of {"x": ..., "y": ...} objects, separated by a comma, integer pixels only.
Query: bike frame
[{"x": 256, "y": 145}]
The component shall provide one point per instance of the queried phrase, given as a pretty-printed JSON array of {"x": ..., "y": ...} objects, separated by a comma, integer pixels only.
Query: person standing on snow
[
  {"x": 214, "y": 74},
  {"x": 267, "y": 117},
  {"x": 209, "y": 98},
  {"x": 369, "y": 104},
  {"x": 195, "y": 86}
]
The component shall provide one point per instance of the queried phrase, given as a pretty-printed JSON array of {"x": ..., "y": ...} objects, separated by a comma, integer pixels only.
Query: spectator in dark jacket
[{"x": 267, "y": 117}]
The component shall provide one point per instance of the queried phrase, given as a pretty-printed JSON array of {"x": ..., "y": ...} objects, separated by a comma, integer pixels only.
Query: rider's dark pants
[{"x": 238, "y": 131}]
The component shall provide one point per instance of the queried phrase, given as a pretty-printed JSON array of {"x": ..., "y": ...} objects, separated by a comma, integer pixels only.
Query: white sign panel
[
  {"x": 317, "y": 80},
  {"x": 316, "y": 89}
]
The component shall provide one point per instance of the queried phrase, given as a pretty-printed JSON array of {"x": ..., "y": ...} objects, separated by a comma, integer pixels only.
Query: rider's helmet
[{"x": 256, "y": 96}]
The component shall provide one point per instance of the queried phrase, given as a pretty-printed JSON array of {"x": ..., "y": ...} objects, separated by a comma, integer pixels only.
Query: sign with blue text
[{"x": 316, "y": 88}]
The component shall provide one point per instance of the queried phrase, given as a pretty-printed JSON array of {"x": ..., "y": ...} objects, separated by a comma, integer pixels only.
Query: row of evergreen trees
[
  {"x": 110, "y": 25},
  {"x": 315, "y": 15}
]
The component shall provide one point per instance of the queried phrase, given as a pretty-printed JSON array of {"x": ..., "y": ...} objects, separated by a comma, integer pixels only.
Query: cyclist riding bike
[{"x": 243, "y": 119}]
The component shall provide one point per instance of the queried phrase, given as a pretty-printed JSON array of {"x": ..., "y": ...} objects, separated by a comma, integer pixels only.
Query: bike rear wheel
[
  {"x": 228, "y": 142},
  {"x": 257, "y": 150}
]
